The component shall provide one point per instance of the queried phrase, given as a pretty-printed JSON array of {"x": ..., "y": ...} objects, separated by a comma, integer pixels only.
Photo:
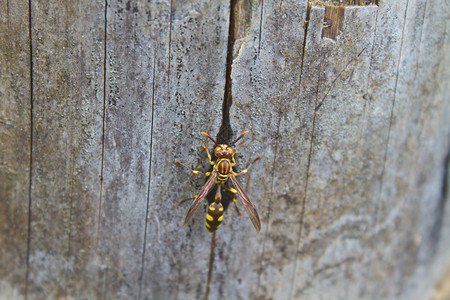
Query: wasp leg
[
  {"x": 176, "y": 204},
  {"x": 230, "y": 189},
  {"x": 193, "y": 171},
  {"x": 248, "y": 167},
  {"x": 209, "y": 155}
]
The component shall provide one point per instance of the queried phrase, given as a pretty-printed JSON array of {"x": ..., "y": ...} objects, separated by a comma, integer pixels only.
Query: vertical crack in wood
[
  {"x": 27, "y": 272},
  {"x": 105, "y": 60},
  {"x": 99, "y": 209},
  {"x": 372, "y": 51},
  {"x": 377, "y": 205},
  {"x": 226, "y": 132},
  {"x": 307, "y": 19},
  {"x": 305, "y": 191},
  {"x": 170, "y": 49},
  {"x": 141, "y": 277},
  {"x": 260, "y": 25},
  {"x": 306, "y": 24},
  {"x": 269, "y": 205},
  {"x": 210, "y": 265},
  {"x": 436, "y": 229}
]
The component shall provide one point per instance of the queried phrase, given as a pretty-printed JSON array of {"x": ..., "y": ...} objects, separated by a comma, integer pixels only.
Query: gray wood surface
[
  {"x": 15, "y": 131},
  {"x": 348, "y": 106},
  {"x": 67, "y": 104}
]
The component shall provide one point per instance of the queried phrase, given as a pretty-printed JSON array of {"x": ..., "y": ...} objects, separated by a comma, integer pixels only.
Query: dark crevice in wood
[
  {"x": 170, "y": 50},
  {"x": 99, "y": 210},
  {"x": 105, "y": 60},
  {"x": 149, "y": 180},
  {"x": 210, "y": 265},
  {"x": 30, "y": 32},
  {"x": 226, "y": 132},
  {"x": 260, "y": 26},
  {"x": 436, "y": 229},
  {"x": 305, "y": 26}
]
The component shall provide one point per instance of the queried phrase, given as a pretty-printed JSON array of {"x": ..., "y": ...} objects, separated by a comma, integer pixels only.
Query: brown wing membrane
[
  {"x": 200, "y": 197},
  {"x": 248, "y": 205}
]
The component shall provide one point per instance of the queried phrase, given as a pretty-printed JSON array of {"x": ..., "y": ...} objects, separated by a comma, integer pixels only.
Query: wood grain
[
  {"x": 68, "y": 66},
  {"x": 347, "y": 105},
  {"x": 15, "y": 115}
]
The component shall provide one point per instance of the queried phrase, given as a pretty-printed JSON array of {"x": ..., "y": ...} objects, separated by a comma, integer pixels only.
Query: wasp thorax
[
  {"x": 224, "y": 167},
  {"x": 224, "y": 151}
]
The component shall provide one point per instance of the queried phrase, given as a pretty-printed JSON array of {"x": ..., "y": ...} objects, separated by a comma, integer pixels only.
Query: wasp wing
[
  {"x": 248, "y": 205},
  {"x": 200, "y": 196}
]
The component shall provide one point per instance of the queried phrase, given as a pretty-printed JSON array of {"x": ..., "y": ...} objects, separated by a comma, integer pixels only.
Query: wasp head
[{"x": 224, "y": 151}]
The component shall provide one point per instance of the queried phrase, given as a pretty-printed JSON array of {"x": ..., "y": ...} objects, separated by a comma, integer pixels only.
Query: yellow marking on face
[
  {"x": 195, "y": 171},
  {"x": 208, "y": 173},
  {"x": 212, "y": 208},
  {"x": 209, "y": 217},
  {"x": 207, "y": 225},
  {"x": 212, "y": 163},
  {"x": 220, "y": 208},
  {"x": 220, "y": 218}
]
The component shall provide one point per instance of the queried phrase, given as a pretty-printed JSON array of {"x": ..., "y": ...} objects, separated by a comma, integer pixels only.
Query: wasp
[{"x": 222, "y": 172}]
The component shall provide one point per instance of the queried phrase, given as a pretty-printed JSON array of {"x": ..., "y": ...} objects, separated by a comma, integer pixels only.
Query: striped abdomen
[{"x": 214, "y": 216}]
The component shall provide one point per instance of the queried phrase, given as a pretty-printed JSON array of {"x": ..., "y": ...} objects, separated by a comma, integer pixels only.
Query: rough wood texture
[
  {"x": 348, "y": 106},
  {"x": 15, "y": 131},
  {"x": 67, "y": 54}
]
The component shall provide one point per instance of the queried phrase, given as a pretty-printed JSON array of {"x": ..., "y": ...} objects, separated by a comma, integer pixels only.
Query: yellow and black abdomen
[{"x": 214, "y": 216}]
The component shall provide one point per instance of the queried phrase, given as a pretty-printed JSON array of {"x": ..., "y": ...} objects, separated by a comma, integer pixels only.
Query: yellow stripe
[
  {"x": 207, "y": 225},
  {"x": 212, "y": 208},
  {"x": 209, "y": 217},
  {"x": 220, "y": 218},
  {"x": 220, "y": 208}
]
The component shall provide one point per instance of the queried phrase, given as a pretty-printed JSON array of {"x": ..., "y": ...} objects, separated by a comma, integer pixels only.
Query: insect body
[{"x": 222, "y": 171}]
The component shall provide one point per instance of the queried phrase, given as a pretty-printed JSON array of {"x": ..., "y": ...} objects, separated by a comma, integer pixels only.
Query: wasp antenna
[
  {"x": 207, "y": 135},
  {"x": 244, "y": 133}
]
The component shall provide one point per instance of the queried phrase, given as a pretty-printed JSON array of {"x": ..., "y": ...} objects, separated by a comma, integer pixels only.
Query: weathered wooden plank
[
  {"x": 66, "y": 160},
  {"x": 15, "y": 111},
  {"x": 137, "y": 39},
  {"x": 410, "y": 198},
  {"x": 280, "y": 120},
  {"x": 189, "y": 86},
  {"x": 351, "y": 121},
  {"x": 332, "y": 243}
]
